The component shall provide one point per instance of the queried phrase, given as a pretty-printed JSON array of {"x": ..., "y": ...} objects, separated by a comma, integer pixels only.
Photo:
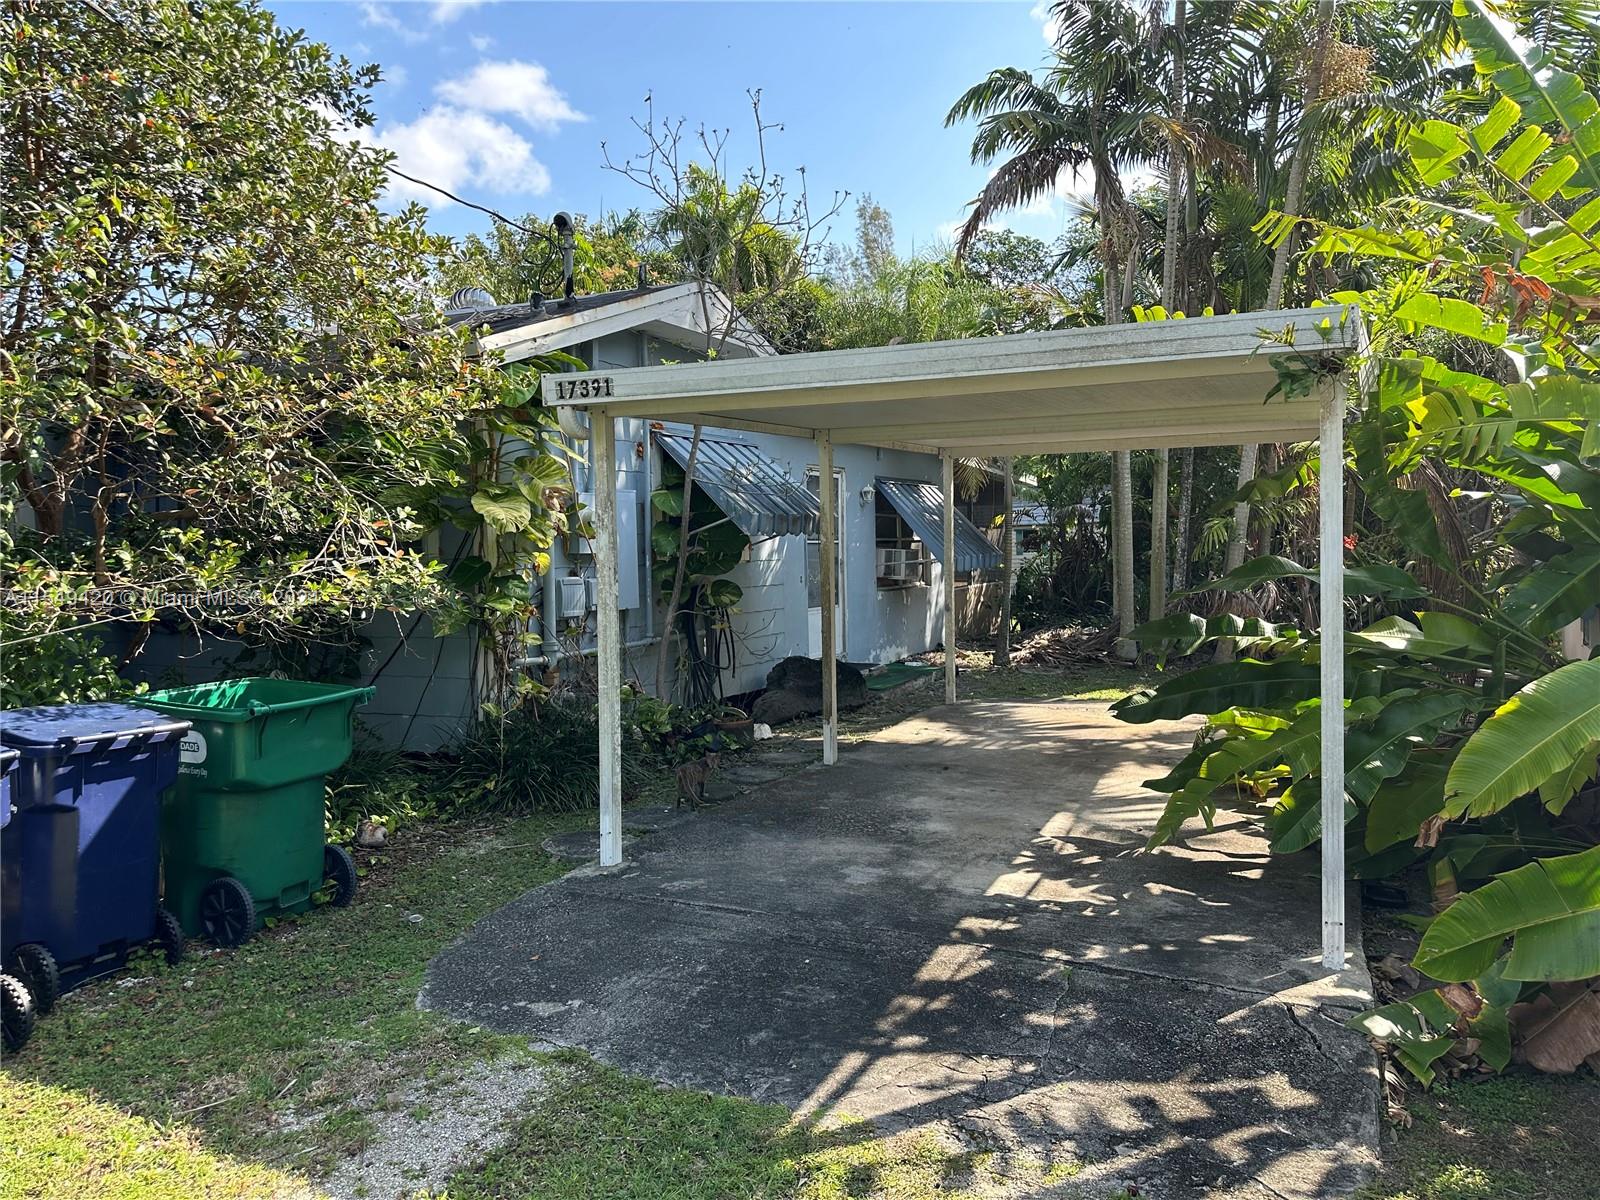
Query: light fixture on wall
[{"x": 868, "y": 495}]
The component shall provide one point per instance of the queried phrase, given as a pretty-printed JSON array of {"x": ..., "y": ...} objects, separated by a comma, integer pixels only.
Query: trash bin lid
[{"x": 68, "y": 727}]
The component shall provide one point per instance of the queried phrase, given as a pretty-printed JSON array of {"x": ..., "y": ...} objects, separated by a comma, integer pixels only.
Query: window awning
[
  {"x": 921, "y": 504},
  {"x": 747, "y": 485}
]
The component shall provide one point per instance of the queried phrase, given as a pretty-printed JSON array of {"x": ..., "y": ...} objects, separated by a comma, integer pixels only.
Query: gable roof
[{"x": 674, "y": 312}]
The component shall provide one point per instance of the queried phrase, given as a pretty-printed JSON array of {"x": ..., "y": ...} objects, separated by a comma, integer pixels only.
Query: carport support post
[
  {"x": 948, "y": 464},
  {"x": 1331, "y": 581},
  {"x": 608, "y": 632},
  {"x": 827, "y": 563}
]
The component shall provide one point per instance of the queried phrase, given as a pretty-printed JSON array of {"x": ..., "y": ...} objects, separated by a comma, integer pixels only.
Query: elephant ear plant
[{"x": 1472, "y": 743}]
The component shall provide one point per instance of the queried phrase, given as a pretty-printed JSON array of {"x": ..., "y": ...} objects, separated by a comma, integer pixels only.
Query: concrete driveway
[{"x": 955, "y": 927}]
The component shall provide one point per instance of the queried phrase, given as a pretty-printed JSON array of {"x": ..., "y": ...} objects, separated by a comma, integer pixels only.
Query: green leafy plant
[
  {"x": 1467, "y": 735},
  {"x": 538, "y": 756}
]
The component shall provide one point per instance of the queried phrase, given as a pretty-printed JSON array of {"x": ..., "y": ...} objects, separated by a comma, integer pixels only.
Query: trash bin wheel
[
  {"x": 35, "y": 968},
  {"x": 227, "y": 911},
  {"x": 338, "y": 866},
  {"x": 169, "y": 934},
  {"x": 16, "y": 1013}
]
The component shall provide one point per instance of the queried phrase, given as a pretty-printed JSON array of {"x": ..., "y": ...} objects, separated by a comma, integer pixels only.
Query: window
[{"x": 902, "y": 559}]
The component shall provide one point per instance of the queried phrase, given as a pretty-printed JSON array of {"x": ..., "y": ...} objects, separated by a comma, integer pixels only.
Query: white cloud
[
  {"x": 446, "y": 11},
  {"x": 480, "y": 42},
  {"x": 395, "y": 75},
  {"x": 379, "y": 16},
  {"x": 462, "y": 151},
  {"x": 1049, "y": 23},
  {"x": 520, "y": 88}
]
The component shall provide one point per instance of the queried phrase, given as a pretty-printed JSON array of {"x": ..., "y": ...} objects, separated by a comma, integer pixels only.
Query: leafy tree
[
  {"x": 512, "y": 262},
  {"x": 874, "y": 246},
  {"x": 221, "y": 390}
]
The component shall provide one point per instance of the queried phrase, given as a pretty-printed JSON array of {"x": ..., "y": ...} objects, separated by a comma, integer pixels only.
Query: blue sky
[{"x": 507, "y": 103}]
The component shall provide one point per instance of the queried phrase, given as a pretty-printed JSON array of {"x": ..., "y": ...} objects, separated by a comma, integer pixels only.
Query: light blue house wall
[{"x": 425, "y": 698}]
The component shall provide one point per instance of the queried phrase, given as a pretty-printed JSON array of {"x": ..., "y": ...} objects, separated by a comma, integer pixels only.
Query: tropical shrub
[
  {"x": 1468, "y": 736},
  {"x": 538, "y": 756}
]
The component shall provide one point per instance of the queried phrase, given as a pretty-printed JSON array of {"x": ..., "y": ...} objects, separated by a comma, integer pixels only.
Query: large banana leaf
[
  {"x": 1534, "y": 735},
  {"x": 1555, "y": 792},
  {"x": 1378, "y": 751},
  {"x": 1210, "y": 689},
  {"x": 1401, "y": 805},
  {"x": 1551, "y": 908},
  {"x": 1377, "y": 748},
  {"x": 1377, "y": 579},
  {"x": 1433, "y": 634},
  {"x": 1557, "y": 593},
  {"x": 1296, "y": 822},
  {"x": 1295, "y": 747},
  {"x": 1184, "y": 633},
  {"x": 1524, "y": 72}
]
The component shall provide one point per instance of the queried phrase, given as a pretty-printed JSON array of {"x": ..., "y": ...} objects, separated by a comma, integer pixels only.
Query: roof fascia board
[
  {"x": 671, "y": 312},
  {"x": 1073, "y": 358}
]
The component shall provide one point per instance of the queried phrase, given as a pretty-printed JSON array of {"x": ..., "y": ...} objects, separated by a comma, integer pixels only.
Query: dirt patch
[{"x": 423, "y": 1132}]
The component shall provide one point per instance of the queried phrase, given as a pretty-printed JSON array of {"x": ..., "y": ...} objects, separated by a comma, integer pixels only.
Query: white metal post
[
  {"x": 827, "y": 563},
  {"x": 1331, "y": 579},
  {"x": 948, "y": 465},
  {"x": 608, "y": 623}
]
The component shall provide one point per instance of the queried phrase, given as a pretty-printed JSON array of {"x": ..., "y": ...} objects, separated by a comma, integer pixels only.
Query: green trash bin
[{"x": 242, "y": 829}]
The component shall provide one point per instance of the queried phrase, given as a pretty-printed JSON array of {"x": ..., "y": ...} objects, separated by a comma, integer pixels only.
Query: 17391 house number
[{"x": 583, "y": 389}]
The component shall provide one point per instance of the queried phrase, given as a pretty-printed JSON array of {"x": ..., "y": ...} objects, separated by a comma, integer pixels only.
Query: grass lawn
[
  {"x": 251, "y": 1073},
  {"x": 267, "y": 1052},
  {"x": 1515, "y": 1137}
]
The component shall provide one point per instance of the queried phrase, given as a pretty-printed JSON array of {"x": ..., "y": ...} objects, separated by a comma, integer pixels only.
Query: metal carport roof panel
[
  {"x": 922, "y": 505},
  {"x": 1202, "y": 381},
  {"x": 747, "y": 485}
]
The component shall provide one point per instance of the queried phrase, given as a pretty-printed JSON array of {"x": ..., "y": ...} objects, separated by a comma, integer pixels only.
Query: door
[{"x": 814, "y": 573}]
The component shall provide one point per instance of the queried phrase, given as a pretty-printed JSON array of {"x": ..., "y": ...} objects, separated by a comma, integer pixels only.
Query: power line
[{"x": 394, "y": 170}]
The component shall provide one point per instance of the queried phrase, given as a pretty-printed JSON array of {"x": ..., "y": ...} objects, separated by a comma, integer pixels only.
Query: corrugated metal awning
[
  {"x": 747, "y": 485},
  {"x": 922, "y": 505}
]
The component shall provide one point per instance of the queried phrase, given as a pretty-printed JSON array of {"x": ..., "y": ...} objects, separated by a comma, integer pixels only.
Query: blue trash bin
[
  {"x": 80, "y": 857},
  {"x": 8, "y": 764}
]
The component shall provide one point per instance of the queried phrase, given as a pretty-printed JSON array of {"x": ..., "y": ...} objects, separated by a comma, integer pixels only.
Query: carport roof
[{"x": 1196, "y": 382}]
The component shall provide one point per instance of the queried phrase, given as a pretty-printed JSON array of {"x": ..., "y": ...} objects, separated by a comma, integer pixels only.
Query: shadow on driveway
[{"x": 955, "y": 927}]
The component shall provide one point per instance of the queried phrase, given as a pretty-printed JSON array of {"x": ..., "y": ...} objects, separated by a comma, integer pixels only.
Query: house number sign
[{"x": 584, "y": 389}]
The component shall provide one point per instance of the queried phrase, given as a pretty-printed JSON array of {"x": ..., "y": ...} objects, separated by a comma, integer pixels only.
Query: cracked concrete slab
[{"x": 957, "y": 927}]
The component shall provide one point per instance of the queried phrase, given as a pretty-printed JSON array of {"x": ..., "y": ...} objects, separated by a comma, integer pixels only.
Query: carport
[{"x": 1195, "y": 382}]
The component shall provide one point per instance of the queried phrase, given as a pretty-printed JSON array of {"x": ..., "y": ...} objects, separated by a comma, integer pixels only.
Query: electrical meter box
[{"x": 573, "y": 598}]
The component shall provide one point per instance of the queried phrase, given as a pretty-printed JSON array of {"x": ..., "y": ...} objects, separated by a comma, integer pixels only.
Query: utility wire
[{"x": 501, "y": 217}]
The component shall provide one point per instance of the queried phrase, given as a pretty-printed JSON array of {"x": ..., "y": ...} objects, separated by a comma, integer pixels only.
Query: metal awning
[
  {"x": 922, "y": 505},
  {"x": 747, "y": 485}
]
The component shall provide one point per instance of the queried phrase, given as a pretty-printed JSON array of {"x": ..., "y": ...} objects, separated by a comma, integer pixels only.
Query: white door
[{"x": 813, "y": 572}]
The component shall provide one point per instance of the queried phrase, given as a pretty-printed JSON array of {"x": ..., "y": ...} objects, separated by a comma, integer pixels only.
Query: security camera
[{"x": 562, "y": 223}]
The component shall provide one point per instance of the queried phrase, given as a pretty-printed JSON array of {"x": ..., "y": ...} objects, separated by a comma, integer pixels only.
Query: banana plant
[{"x": 1467, "y": 734}]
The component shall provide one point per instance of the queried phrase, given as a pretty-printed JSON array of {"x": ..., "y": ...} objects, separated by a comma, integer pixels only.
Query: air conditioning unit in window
[{"x": 893, "y": 563}]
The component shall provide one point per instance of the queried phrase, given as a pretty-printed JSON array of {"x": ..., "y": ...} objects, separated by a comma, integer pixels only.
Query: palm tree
[{"x": 1087, "y": 114}]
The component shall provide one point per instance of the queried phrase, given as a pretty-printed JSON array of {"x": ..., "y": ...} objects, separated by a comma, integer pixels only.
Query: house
[{"x": 889, "y": 516}]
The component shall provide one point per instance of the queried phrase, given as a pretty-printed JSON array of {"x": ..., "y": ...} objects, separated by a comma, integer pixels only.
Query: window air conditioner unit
[{"x": 892, "y": 563}]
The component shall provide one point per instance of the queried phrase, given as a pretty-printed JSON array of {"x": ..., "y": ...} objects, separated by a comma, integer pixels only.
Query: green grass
[
  {"x": 1513, "y": 1137},
  {"x": 247, "y": 1073},
  {"x": 601, "y": 1135},
  {"x": 57, "y": 1142},
  {"x": 302, "y": 1022}
]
